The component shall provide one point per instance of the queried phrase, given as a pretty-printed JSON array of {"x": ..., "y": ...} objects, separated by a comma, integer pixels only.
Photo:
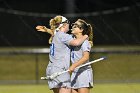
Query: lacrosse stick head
[
  {"x": 53, "y": 76},
  {"x": 104, "y": 57},
  {"x": 45, "y": 78}
]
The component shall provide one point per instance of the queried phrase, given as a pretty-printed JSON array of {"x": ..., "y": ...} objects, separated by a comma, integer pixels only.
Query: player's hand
[
  {"x": 86, "y": 37},
  {"x": 71, "y": 68},
  {"x": 91, "y": 43},
  {"x": 41, "y": 28}
]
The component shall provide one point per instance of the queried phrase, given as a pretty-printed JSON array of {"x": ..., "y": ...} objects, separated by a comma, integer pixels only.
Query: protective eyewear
[{"x": 74, "y": 25}]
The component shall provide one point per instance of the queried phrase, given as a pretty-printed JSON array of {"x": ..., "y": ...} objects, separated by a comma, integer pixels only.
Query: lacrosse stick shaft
[
  {"x": 59, "y": 73},
  {"x": 102, "y": 58}
]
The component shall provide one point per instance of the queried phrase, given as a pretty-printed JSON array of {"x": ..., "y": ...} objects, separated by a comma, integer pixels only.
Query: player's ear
[{"x": 64, "y": 25}]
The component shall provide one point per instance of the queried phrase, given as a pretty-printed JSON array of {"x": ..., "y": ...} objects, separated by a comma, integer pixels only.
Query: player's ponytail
[
  {"x": 87, "y": 30},
  {"x": 90, "y": 30}
]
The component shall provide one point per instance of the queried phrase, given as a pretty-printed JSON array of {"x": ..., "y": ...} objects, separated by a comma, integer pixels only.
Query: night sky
[
  {"x": 121, "y": 25},
  {"x": 58, "y": 6}
]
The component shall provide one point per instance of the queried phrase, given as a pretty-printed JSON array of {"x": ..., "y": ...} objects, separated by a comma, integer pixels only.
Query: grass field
[
  {"x": 98, "y": 88},
  {"x": 119, "y": 73},
  {"x": 116, "y": 68}
]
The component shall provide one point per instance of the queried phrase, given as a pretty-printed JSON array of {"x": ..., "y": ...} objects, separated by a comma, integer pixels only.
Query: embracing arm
[
  {"x": 44, "y": 29},
  {"x": 78, "y": 41}
]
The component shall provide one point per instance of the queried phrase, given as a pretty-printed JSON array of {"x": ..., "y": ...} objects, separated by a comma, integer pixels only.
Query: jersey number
[
  {"x": 72, "y": 52},
  {"x": 52, "y": 49}
]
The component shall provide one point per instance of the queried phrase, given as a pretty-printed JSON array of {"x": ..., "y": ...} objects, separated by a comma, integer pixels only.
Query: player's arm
[
  {"x": 78, "y": 41},
  {"x": 44, "y": 29},
  {"x": 84, "y": 59},
  {"x": 91, "y": 43}
]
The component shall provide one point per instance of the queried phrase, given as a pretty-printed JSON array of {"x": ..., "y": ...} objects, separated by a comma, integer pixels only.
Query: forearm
[
  {"x": 48, "y": 30},
  {"x": 44, "y": 29},
  {"x": 78, "y": 41},
  {"x": 81, "y": 61}
]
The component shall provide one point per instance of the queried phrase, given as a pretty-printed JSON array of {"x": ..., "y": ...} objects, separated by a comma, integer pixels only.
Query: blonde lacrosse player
[{"x": 60, "y": 53}]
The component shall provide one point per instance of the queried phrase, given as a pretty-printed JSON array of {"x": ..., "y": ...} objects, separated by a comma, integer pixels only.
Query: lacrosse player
[{"x": 82, "y": 78}]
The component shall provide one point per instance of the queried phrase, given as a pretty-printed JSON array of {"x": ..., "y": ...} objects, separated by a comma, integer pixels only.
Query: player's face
[
  {"x": 67, "y": 27},
  {"x": 76, "y": 28}
]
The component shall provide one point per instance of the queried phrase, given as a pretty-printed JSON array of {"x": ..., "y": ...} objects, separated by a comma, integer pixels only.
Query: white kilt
[
  {"x": 82, "y": 78},
  {"x": 60, "y": 81}
]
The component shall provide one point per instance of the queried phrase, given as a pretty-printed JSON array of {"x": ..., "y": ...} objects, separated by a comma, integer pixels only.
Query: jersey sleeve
[
  {"x": 86, "y": 46},
  {"x": 66, "y": 38}
]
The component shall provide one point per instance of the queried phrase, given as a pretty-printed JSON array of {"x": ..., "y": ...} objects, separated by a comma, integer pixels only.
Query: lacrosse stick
[{"x": 59, "y": 73}]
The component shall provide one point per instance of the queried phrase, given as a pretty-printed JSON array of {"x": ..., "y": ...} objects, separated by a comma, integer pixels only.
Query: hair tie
[{"x": 88, "y": 24}]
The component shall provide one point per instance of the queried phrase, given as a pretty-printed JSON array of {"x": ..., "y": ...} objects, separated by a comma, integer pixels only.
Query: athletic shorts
[
  {"x": 82, "y": 78},
  {"x": 60, "y": 81}
]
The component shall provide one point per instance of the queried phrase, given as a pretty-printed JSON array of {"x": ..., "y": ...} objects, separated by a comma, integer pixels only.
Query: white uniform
[
  {"x": 59, "y": 60},
  {"x": 82, "y": 77}
]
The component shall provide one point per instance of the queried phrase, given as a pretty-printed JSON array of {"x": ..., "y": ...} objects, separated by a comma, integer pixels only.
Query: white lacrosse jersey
[
  {"x": 77, "y": 51},
  {"x": 60, "y": 50},
  {"x": 82, "y": 77}
]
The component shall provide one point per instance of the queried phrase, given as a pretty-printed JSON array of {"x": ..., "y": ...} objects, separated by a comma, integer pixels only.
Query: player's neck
[{"x": 79, "y": 35}]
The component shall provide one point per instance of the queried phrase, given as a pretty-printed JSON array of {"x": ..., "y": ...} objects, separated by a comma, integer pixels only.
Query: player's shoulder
[
  {"x": 62, "y": 34},
  {"x": 64, "y": 37},
  {"x": 86, "y": 42}
]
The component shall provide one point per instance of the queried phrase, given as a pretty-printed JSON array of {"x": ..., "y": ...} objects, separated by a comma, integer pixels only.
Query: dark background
[{"x": 115, "y": 22}]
